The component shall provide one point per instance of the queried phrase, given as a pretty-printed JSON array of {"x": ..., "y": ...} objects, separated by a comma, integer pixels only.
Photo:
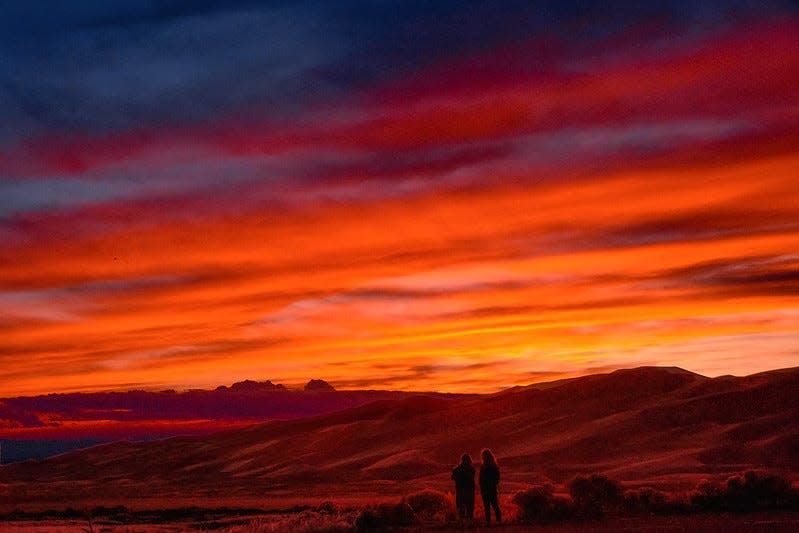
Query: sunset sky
[{"x": 454, "y": 196}]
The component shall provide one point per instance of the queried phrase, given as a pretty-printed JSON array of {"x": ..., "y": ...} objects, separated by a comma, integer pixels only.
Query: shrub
[
  {"x": 745, "y": 492},
  {"x": 431, "y": 505},
  {"x": 595, "y": 495},
  {"x": 706, "y": 496},
  {"x": 384, "y": 516},
  {"x": 327, "y": 508},
  {"x": 647, "y": 500},
  {"x": 539, "y": 504},
  {"x": 752, "y": 491}
]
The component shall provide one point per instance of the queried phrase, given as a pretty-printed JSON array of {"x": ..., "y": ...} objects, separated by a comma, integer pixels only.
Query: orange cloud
[{"x": 463, "y": 239}]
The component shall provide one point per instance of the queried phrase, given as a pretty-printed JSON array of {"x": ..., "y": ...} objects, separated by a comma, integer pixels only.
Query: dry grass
[
  {"x": 323, "y": 520},
  {"x": 71, "y": 526},
  {"x": 780, "y": 522},
  {"x": 751, "y": 501}
]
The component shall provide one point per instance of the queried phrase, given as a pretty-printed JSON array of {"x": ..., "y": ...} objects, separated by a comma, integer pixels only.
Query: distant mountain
[
  {"x": 23, "y": 450},
  {"x": 249, "y": 385},
  {"x": 56, "y": 420},
  {"x": 640, "y": 425},
  {"x": 318, "y": 385}
]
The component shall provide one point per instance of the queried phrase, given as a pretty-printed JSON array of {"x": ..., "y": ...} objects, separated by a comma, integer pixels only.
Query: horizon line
[{"x": 295, "y": 386}]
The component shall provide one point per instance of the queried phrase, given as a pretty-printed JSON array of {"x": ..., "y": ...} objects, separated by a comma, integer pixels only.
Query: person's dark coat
[
  {"x": 489, "y": 480},
  {"x": 463, "y": 475}
]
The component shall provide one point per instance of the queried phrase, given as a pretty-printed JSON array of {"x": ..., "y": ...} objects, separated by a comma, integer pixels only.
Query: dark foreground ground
[
  {"x": 299, "y": 523},
  {"x": 784, "y": 522}
]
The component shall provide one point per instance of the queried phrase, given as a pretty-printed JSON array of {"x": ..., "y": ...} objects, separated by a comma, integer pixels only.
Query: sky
[{"x": 454, "y": 196}]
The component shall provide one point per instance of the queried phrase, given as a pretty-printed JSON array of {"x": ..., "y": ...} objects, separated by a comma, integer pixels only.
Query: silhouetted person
[
  {"x": 489, "y": 479},
  {"x": 463, "y": 474}
]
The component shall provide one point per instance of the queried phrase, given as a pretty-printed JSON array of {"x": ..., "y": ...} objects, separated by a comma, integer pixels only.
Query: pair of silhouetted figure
[{"x": 463, "y": 475}]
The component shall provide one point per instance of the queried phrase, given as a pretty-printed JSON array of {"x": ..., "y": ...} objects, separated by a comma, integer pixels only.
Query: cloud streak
[{"x": 477, "y": 212}]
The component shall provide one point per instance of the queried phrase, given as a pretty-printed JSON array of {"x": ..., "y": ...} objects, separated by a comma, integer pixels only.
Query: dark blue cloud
[
  {"x": 167, "y": 72},
  {"x": 95, "y": 66}
]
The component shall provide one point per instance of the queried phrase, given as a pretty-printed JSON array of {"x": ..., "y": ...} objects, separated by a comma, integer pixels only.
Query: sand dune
[{"x": 637, "y": 425}]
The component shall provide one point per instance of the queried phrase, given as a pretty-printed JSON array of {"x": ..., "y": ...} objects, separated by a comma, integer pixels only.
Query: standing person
[
  {"x": 489, "y": 479},
  {"x": 463, "y": 474}
]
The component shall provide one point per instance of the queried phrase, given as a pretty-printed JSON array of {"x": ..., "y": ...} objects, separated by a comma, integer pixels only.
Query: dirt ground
[
  {"x": 728, "y": 523},
  {"x": 754, "y": 523}
]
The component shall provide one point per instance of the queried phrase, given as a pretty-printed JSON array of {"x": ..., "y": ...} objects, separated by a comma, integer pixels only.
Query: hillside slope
[{"x": 636, "y": 425}]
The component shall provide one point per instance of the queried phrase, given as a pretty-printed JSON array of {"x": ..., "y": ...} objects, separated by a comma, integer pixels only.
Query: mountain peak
[
  {"x": 318, "y": 385},
  {"x": 249, "y": 385},
  {"x": 653, "y": 371}
]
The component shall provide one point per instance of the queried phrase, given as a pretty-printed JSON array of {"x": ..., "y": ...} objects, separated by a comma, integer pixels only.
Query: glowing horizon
[{"x": 512, "y": 213}]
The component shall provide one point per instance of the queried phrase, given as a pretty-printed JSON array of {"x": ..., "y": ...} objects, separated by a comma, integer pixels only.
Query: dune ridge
[{"x": 647, "y": 424}]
